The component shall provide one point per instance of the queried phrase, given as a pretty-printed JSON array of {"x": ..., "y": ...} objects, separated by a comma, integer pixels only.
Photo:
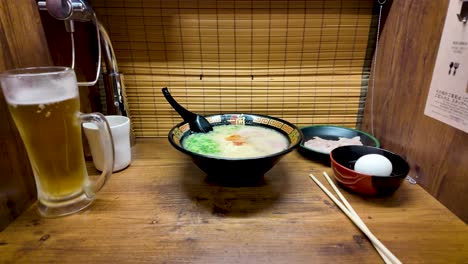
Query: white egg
[{"x": 374, "y": 164}]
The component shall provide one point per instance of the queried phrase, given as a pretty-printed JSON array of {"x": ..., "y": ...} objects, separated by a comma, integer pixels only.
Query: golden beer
[
  {"x": 54, "y": 148},
  {"x": 44, "y": 104}
]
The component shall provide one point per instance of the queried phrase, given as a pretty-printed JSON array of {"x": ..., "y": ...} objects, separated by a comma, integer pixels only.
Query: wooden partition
[
  {"x": 438, "y": 153},
  {"x": 22, "y": 45}
]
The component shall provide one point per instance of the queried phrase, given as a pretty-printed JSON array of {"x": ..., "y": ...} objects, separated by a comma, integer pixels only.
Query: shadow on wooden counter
[{"x": 226, "y": 199}]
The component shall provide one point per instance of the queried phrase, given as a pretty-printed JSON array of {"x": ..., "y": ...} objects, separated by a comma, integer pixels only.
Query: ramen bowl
[
  {"x": 237, "y": 170},
  {"x": 329, "y": 132},
  {"x": 343, "y": 160}
]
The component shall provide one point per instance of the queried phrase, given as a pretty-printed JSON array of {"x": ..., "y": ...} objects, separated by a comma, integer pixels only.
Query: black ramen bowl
[
  {"x": 237, "y": 170},
  {"x": 331, "y": 133},
  {"x": 344, "y": 158}
]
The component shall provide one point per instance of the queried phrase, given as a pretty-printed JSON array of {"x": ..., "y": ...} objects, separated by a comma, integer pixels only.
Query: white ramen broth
[{"x": 237, "y": 141}]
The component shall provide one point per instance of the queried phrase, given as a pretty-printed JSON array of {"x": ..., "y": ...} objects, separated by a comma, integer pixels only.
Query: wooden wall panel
[
  {"x": 438, "y": 153},
  {"x": 22, "y": 45}
]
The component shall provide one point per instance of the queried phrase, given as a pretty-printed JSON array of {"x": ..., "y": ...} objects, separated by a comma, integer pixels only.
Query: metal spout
[
  {"x": 79, "y": 10},
  {"x": 113, "y": 79}
]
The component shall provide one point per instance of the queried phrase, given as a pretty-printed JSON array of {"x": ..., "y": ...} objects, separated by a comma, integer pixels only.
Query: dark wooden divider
[
  {"x": 22, "y": 45},
  {"x": 438, "y": 153}
]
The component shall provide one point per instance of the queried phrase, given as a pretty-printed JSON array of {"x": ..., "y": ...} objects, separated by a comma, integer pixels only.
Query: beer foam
[{"x": 41, "y": 92}]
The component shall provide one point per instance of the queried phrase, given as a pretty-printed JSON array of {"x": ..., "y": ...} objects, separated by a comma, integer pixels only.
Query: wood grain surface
[
  {"x": 22, "y": 44},
  {"x": 161, "y": 209},
  {"x": 437, "y": 153}
]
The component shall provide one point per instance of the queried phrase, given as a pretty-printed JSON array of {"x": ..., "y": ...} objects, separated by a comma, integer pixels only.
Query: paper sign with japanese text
[{"x": 447, "y": 100}]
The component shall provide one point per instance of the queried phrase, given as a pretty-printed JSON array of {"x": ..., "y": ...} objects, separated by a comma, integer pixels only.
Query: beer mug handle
[{"x": 107, "y": 147}]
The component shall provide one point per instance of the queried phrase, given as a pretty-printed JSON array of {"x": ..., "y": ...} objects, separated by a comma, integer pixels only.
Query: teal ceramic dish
[{"x": 331, "y": 133}]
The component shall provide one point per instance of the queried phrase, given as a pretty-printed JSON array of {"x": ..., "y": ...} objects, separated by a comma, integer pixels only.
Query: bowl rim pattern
[{"x": 291, "y": 131}]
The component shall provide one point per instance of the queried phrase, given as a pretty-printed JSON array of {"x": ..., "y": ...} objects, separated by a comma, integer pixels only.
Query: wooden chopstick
[
  {"x": 387, "y": 256},
  {"x": 351, "y": 210}
]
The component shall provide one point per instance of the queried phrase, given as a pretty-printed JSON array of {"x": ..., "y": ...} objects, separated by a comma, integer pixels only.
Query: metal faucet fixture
[{"x": 79, "y": 10}]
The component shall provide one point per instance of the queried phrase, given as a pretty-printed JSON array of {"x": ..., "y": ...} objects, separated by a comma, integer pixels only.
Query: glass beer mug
[{"x": 45, "y": 105}]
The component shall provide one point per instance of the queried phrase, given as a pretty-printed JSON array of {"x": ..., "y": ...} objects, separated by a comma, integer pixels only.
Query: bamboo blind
[{"x": 304, "y": 61}]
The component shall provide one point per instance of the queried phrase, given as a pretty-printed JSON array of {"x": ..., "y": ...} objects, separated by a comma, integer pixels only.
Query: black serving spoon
[{"x": 196, "y": 122}]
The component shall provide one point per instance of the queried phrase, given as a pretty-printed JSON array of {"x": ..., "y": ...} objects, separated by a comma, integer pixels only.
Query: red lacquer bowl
[{"x": 342, "y": 163}]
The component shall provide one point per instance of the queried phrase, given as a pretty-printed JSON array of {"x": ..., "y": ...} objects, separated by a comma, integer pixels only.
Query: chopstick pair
[{"x": 383, "y": 251}]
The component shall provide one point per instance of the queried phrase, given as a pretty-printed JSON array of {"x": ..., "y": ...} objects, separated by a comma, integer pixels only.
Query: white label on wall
[{"x": 448, "y": 95}]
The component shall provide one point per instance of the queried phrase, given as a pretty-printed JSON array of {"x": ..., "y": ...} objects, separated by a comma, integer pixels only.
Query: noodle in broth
[{"x": 237, "y": 141}]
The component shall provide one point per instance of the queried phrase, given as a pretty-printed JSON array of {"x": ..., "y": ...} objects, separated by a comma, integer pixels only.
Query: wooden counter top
[{"x": 162, "y": 210}]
